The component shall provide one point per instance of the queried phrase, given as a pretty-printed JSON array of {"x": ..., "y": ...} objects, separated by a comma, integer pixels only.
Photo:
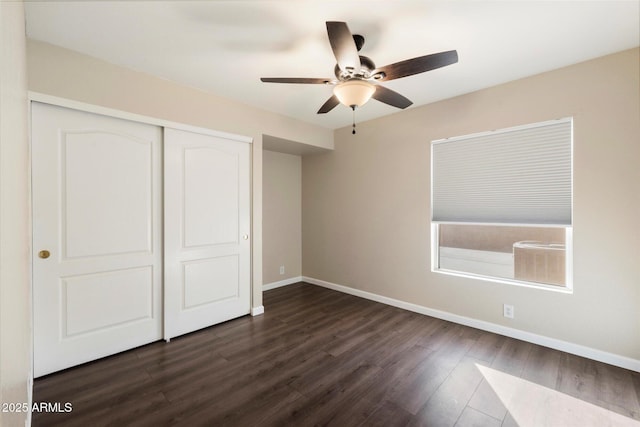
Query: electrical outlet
[
  {"x": 282, "y": 269},
  {"x": 508, "y": 311}
]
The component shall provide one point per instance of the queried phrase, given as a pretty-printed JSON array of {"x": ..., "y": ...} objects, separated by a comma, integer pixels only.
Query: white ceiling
[{"x": 224, "y": 47}]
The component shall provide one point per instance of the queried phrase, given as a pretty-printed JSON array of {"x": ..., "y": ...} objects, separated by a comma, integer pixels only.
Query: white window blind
[{"x": 516, "y": 175}]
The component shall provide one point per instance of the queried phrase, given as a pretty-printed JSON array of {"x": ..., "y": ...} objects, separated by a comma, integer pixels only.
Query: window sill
[{"x": 513, "y": 282}]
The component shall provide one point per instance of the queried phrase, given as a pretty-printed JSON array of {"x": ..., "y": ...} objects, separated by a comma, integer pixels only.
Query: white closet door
[
  {"x": 207, "y": 224},
  {"x": 96, "y": 213}
]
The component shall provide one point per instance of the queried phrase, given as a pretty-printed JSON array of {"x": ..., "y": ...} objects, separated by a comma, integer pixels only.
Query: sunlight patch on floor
[{"x": 533, "y": 405}]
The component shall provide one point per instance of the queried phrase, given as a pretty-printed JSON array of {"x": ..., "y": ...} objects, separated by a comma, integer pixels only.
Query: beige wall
[
  {"x": 366, "y": 210},
  {"x": 67, "y": 74},
  {"x": 281, "y": 216},
  {"x": 15, "y": 286}
]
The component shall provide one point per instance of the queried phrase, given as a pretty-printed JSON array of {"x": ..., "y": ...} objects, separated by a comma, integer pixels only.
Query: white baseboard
[
  {"x": 256, "y": 311},
  {"x": 568, "y": 347},
  {"x": 285, "y": 282}
]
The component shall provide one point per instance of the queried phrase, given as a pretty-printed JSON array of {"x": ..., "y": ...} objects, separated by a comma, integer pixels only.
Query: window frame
[{"x": 435, "y": 230}]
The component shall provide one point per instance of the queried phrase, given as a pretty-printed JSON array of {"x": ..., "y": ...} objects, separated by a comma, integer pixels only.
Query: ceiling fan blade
[
  {"x": 302, "y": 80},
  {"x": 329, "y": 105},
  {"x": 390, "y": 97},
  {"x": 417, "y": 65},
  {"x": 343, "y": 46}
]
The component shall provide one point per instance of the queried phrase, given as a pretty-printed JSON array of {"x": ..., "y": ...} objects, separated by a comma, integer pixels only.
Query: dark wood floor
[{"x": 319, "y": 357}]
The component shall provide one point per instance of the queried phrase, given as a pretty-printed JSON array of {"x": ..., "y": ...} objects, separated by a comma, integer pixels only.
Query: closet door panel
[
  {"x": 106, "y": 197},
  {"x": 210, "y": 209},
  {"x": 197, "y": 274},
  {"x": 207, "y": 224},
  {"x": 97, "y": 214}
]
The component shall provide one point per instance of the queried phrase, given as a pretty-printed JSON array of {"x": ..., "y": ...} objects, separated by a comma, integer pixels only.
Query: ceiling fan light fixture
[
  {"x": 356, "y": 73},
  {"x": 354, "y": 93}
]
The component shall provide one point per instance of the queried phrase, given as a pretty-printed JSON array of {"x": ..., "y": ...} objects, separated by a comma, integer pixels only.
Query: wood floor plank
[
  {"x": 333, "y": 401},
  {"x": 512, "y": 356},
  {"x": 472, "y": 418},
  {"x": 243, "y": 407},
  {"x": 395, "y": 374},
  {"x": 577, "y": 378},
  {"x": 542, "y": 367},
  {"x": 415, "y": 390},
  {"x": 82, "y": 376},
  {"x": 388, "y": 414},
  {"x": 181, "y": 378},
  {"x": 635, "y": 377},
  {"x": 615, "y": 386},
  {"x": 446, "y": 405},
  {"x": 509, "y": 421},
  {"x": 326, "y": 373},
  {"x": 320, "y": 357},
  {"x": 486, "y": 400},
  {"x": 450, "y": 346},
  {"x": 487, "y": 346},
  {"x": 94, "y": 392}
]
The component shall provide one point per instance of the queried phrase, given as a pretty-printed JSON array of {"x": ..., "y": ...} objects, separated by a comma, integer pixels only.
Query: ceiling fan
[{"x": 355, "y": 74}]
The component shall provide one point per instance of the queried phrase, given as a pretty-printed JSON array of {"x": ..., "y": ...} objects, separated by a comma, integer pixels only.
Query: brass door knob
[{"x": 44, "y": 254}]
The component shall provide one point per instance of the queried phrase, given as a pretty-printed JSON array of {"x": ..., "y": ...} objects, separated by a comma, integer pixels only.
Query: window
[{"x": 502, "y": 204}]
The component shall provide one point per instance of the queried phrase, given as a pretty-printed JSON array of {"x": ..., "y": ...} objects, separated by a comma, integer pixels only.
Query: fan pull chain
[{"x": 353, "y": 132}]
